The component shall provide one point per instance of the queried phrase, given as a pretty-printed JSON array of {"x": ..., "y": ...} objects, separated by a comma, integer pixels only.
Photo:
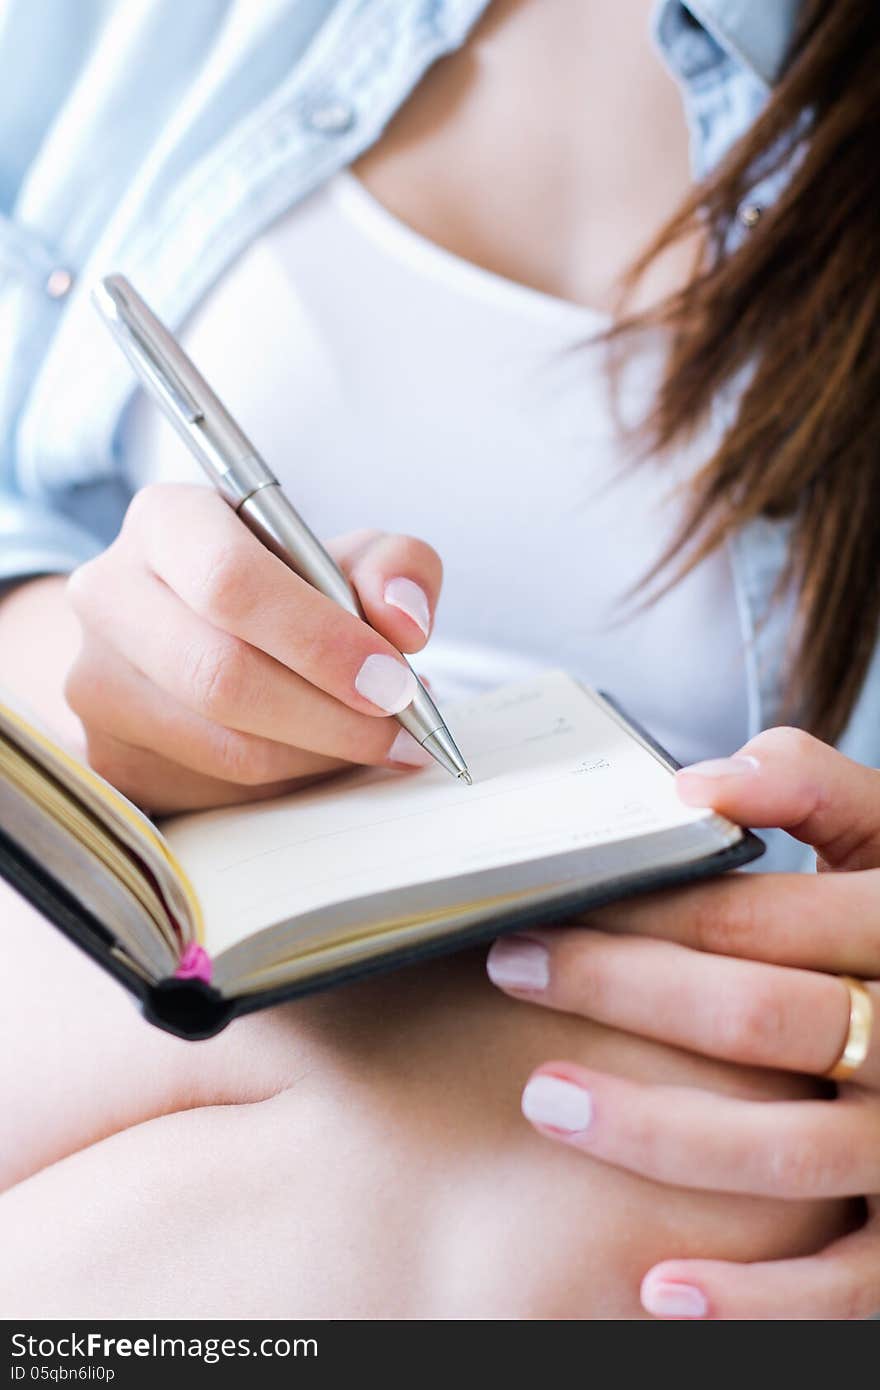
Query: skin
[
  {"x": 552, "y": 166},
  {"x": 360, "y": 1154},
  {"x": 363, "y": 1154},
  {"x": 239, "y": 680},
  {"x": 746, "y": 968}
]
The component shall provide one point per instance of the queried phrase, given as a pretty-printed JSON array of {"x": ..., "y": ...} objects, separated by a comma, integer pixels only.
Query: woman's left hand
[{"x": 744, "y": 968}]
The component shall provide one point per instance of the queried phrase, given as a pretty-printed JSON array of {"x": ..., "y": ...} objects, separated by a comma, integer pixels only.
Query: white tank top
[{"x": 390, "y": 383}]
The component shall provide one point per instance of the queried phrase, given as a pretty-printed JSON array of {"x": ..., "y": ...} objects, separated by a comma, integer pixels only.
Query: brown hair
[{"x": 797, "y": 307}]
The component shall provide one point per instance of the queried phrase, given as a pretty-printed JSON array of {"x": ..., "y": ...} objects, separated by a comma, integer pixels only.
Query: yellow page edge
[{"x": 122, "y": 806}]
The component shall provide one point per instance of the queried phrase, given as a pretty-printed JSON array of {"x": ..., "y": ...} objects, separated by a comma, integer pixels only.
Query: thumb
[{"x": 787, "y": 778}]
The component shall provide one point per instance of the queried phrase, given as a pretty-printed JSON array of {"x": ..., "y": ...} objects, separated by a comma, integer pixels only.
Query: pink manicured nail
[
  {"x": 411, "y": 600},
  {"x": 721, "y": 767},
  {"x": 386, "y": 683},
  {"x": 666, "y": 1299},
  {"x": 548, "y": 1100},
  {"x": 406, "y": 750},
  {"x": 514, "y": 962}
]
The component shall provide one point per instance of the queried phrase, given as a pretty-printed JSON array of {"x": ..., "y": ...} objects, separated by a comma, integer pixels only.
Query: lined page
[{"x": 553, "y": 771}]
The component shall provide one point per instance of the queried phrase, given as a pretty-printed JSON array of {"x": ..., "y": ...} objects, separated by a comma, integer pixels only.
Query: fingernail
[
  {"x": 386, "y": 683},
  {"x": 411, "y": 599},
  {"x": 698, "y": 792},
  {"x": 406, "y": 750},
  {"x": 721, "y": 767},
  {"x": 548, "y": 1100},
  {"x": 514, "y": 962},
  {"x": 665, "y": 1299}
]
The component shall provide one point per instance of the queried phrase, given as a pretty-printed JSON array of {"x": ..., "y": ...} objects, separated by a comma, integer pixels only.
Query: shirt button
[
  {"x": 58, "y": 282},
  {"x": 750, "y": 214},
  {"x": 331, "y": 117}
]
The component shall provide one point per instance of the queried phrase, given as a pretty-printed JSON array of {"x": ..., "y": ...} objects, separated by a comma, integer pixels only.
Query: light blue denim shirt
[{"x": 162, "y": 137}]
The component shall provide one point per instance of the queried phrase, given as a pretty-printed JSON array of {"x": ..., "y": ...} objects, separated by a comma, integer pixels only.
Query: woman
[{"x": 445, "y": 312}]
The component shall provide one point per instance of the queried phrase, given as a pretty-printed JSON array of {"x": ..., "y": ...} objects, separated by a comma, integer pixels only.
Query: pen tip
[{"x": 466, "y": 778}]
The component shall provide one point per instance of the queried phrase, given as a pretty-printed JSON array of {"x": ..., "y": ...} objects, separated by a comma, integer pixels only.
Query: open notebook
[{"x": 208, "y": 915}]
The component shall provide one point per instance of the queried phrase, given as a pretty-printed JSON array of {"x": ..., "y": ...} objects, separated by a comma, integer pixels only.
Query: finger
[
  {"x": 124, "y": 705},
  {"x": 787, "y": 778},
  {"x": 226, "y": 576},
  {"x": 398, "y": 580},
  {"x": 758, "y": 1015},
  {"x": 219, "y": 677},
  {"x": 840, "y": 1284},
  {"x": 826, "y": 922},
  {"x": 795, "y": 1150},
  {"x": 161, "y": 787}
]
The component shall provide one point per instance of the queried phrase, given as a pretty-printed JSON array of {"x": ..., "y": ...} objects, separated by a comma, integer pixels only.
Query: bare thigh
[{"x": 361, "y": 1154}]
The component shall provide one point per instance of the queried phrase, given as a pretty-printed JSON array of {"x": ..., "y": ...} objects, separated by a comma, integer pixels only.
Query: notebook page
[{"x": 553, "y": 771}]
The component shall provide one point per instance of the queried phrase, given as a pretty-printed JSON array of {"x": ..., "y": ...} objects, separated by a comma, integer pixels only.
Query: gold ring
[{"x": 858, "y": 1038}]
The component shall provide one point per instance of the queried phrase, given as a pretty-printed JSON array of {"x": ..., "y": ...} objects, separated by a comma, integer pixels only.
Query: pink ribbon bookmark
[{"x": 195, "y": 964}]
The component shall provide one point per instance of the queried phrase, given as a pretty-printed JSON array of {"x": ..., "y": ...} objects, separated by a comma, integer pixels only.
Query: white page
[{"x": 553, "y": 772}]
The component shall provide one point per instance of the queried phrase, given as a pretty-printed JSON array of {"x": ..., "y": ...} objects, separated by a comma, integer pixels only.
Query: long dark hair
[{"x": 797, "y": 307}]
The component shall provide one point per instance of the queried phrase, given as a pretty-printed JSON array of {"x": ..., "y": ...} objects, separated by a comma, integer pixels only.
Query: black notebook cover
[{"x": 194, "y": 1010}]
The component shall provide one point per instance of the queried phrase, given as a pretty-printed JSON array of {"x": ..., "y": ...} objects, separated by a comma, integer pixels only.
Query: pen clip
[
  {"x": 140, "y": 335},
  {"x": 164, "y": 377},
  {"x": 222, "y": 449}
]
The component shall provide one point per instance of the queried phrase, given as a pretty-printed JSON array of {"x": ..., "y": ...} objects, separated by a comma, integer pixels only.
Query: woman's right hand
[{"x": 210, "y": 673}]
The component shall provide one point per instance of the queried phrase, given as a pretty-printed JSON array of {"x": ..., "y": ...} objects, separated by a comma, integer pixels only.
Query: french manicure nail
[
  {"x": 722, "y": 767},
  {"x": 406, "y": 750},
  {"x": 411, "y": 599},
  {"x": 548, "y": 1100},
  {"x": 666, "y": 1299},
  {"x": 515, "y": 962},
  {"x": 386, "y": 683}
]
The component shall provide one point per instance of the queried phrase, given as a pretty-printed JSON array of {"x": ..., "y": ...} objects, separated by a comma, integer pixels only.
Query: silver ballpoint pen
[{"x": 244, "y": 480}]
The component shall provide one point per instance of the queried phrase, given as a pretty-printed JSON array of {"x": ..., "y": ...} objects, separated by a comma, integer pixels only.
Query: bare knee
[{"x": 78, "y": 1062}]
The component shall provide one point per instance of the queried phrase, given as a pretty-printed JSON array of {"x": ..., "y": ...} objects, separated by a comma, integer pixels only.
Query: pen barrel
[
  {"x": 277, "y": 524},
  {"x": 421, "y": 718}
]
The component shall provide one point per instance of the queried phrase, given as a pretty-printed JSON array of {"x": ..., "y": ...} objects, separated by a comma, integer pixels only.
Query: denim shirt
[{"x": 163, "y": 137}]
